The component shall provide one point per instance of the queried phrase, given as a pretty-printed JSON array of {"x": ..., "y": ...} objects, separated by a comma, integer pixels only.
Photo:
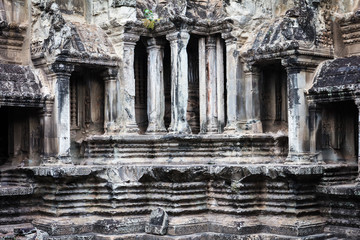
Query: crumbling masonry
[{"x": 231, "y": 119}]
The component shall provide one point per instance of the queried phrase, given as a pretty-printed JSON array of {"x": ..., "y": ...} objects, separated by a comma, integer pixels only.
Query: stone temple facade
[{"x": 229, "y": 119}]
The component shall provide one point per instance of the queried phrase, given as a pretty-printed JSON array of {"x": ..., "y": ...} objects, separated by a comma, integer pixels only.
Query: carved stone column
[
  {"x": 212, "y": 113},
  {"x": 48, "y": 141},
  {"x": 357, "y": 102},
  {"x": 110, "y": 109},
  {"x": 314, "y": 121},
  {"x": 232, "y": 87},
  {"x": 220, "y": 86},
  {"x": 127, "y": 82},
  {"x": 252, "y": 101},
  {"x": 61, "y": 80},
  {"x": 179, "y": 82},
  {"x": 155, "y": 85},
  {"x": 298, "y": 129},
  {"x": 202, "y": 86}
]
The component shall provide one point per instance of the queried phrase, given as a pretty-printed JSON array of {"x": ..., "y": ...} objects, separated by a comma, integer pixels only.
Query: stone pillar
[
  {"x": 202, "y": 85},
  {"x": 179, "y": 82},
  {"x": 298, "y": 130},
  {"x": 357, "y": 102},
  {"x": 61, "y": 78},
  {"x": 232, "y": 72},
  {"x": 252, "y": 101},
  {"x": 110, "y": 109},
  {"x": 127, "y": 82},
  {"x": 155, "y": 86},
  {"x": 220, "y": 84},
  {"x": 314, "y": 121},
  {"x": 48, "y": 134},
  {"x": 212, "y": 113}
]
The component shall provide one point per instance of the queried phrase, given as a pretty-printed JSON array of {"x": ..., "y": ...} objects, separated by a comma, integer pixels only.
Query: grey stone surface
[
  {"x": 272, "y": 87},
  {"x": 158, "y": 223}
]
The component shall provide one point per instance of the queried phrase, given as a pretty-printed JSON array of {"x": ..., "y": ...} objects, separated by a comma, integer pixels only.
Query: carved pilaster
[
  {"x": 110, "y": 109},
  {"x": 155, "y": 91},
  {"x": 48, "y": 134},
  {"x": 252, "y": 98},
  {"x": 179, "y": 82},
  {"x": 127, "y": 82},
  {"x": 314, "y": 121}
]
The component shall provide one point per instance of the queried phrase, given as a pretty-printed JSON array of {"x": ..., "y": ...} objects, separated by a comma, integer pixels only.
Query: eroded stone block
[{"x": 159, "y": 222}]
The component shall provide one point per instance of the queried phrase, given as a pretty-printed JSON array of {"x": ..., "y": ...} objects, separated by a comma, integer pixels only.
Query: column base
[
  {"x": 131, "y": 128},
  {"x": 253, "y": 126},
  {"x": 302, "y": 158},
  {"x": 111, "y": 128},
  {"x": 180, "y": 130},
  {"x": 231, "y": 128},
  {"x": 212, "y": 129},
  {"x": 60, "y": 160},
  {"x": 154, "y": 129}
]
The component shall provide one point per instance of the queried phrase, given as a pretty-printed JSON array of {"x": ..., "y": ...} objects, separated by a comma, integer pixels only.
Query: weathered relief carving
[{"x": 226, "y": 120}]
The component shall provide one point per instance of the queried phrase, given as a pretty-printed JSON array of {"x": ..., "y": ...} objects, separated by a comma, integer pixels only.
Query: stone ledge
[
  {"x": 241, "y": 170},
  {"x": 185, "y": 149},
  {"x": 351, "y": 189},
  {"x": 15, "y": 191},
  {"x": 193, "y": 226}
]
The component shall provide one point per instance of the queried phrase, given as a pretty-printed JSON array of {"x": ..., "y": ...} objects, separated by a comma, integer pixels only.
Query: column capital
[
  {"x": 251, "y": 68},
  {"x": 295, "y": 64},
  {"x": 47, "y": 109},
  {"x": 313, "y": 106},
  {"x": 229, "y": 38},
  {"x": 210, "y": 42},
  {"x": 357, "y": 102},
  {"x": 130, "y": 38},
  {"x": 175, "y": 36},
  {"x": 62, "y": 68},
  {"x": 110, "y": 74},
  {"x": 157, "y": 42}
]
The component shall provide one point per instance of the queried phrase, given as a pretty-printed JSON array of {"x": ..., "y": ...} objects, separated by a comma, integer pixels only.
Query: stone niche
[
  {"x": 273, "y": 97},
  {"x": 140, "y": 69},
  {"x": 141, "y": 78},
  {"x": 86, "y": 105},
  {"x": 337, "y": 137},
  {"x": 20, "y": 136}
]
